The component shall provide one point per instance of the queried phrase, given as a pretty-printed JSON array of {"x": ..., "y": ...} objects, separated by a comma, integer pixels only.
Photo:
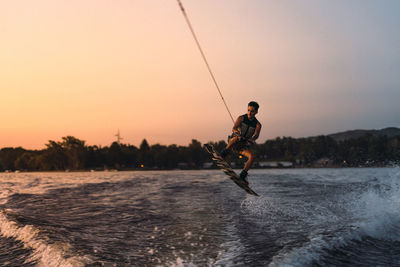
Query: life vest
[{"x": 248, "y": 127}]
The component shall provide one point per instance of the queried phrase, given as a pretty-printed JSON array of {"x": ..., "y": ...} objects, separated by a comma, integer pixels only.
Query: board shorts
[{"x": 241, "y": 145}]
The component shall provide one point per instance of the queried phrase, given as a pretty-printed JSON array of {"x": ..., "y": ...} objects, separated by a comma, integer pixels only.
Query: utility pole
[{"x": 119, "y": 138}]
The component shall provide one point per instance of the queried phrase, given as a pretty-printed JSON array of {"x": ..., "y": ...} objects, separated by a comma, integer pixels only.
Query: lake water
[{"x": 303, "y": 217}]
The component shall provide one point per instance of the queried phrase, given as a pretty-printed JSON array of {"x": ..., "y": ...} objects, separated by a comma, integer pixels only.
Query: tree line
[{"x": 73, "y": 154}]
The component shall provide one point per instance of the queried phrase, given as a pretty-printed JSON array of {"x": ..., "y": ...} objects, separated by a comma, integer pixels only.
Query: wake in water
[
  {"x": 42, "y": 252},
  {"x": 352, "y": 224},
  {"x": 324, "y": 217}
]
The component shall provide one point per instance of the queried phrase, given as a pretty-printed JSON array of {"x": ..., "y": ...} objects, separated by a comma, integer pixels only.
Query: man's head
[
  {"x": 254, "y": 104},
  {"x": 252, "y": 109}
]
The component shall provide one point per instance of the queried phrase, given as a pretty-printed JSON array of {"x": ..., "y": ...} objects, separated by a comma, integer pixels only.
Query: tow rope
[{"x": 204, "y": 57}]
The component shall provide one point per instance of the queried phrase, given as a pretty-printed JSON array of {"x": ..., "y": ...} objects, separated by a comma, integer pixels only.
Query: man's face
[{"x": 251, "y": 112}]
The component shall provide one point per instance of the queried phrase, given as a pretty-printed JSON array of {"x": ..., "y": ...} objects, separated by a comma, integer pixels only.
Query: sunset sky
[{"x": 90, "y": 67}]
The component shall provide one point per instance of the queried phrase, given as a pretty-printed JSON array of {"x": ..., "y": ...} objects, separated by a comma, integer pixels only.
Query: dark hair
[{"x": 254, "y": 104}]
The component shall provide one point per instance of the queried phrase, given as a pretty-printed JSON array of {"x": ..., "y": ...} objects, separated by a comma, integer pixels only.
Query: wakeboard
[{"x": 227, "y": 169}]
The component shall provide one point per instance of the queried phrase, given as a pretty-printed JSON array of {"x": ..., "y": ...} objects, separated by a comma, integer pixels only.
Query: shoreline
[{"x": 192, "y": 169}]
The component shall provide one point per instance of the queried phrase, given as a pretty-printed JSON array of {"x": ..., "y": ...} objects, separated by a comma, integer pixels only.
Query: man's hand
[{"x": 236, "y": 133}]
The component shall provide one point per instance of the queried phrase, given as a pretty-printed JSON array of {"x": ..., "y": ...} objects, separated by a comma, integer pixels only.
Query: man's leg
[
  {"x": 250, "y": 158},
  {"x": 233, "y": 141},
  {"x": 225, "y": 151}
]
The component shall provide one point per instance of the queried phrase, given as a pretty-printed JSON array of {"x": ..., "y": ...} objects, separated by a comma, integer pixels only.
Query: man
[{"x": 245, "y": 132}]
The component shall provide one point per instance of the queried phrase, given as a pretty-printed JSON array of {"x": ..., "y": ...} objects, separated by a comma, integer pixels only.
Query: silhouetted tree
[
  {"x": 72, "y": 153},
  {"x": 75, "y": 152},
  {"x": 8, "y": 156}
]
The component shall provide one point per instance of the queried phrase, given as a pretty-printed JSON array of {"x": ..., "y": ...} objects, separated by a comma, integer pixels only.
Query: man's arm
[
  {"x": 256, "y": 133},
  {"x": 236, "y": 126}
]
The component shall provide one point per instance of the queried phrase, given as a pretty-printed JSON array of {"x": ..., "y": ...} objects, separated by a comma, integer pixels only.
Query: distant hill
[{"x": 389, "y": 132}]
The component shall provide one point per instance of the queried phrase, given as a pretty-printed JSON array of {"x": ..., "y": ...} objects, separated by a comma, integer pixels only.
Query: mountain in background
[{"x": 389, "y": 132}]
